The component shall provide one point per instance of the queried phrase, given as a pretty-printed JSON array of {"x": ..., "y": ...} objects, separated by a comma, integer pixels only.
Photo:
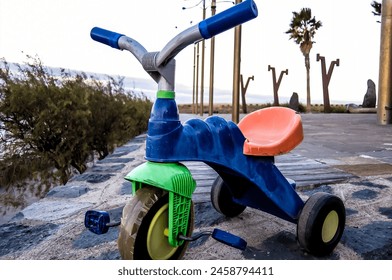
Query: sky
[{"x": 58, "y": 32}]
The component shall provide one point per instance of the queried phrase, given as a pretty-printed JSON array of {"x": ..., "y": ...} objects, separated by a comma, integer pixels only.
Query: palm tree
[{"x": 302, "y": 30}]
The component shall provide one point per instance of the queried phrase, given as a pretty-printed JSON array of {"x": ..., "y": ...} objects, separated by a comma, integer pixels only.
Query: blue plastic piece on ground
[
  {"x": 96, "y": 221},
  {"x": 229, "y": 239}
]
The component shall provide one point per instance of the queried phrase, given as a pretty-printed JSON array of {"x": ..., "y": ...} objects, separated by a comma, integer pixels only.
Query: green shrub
[{"x": 51, "y": 125}]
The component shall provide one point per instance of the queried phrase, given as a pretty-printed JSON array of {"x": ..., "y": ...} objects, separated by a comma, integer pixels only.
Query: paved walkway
[{"x": 345, "y": 154}]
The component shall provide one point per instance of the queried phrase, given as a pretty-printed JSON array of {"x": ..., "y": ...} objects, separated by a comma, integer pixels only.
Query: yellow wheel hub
[
  {"x": 157, "y": 242},
  {"x": 330, "y": 226}
]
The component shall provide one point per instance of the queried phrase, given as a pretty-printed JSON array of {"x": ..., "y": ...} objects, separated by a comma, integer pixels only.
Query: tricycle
[{"x": 157, "y": 222}]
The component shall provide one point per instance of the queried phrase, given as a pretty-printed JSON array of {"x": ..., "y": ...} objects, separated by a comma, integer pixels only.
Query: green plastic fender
[{"x": 177, "y": 180}]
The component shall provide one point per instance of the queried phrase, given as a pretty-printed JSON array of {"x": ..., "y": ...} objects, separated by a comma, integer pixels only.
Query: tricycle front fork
[{"x": 176, "y": 179}]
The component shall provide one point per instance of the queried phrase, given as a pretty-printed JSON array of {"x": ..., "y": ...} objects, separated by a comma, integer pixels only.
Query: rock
[
  {"x": 350, "y": 107},
  {"x": 369, "y": 100},
  {"x": 17, "y": 237},
  {"x": 93, "y": 178},
  {"x": 353, "y": 108},
  {"x": 67, "y": 191},
  {"x": 294, "y": 102},
  {"x": 53, "y": 210}
]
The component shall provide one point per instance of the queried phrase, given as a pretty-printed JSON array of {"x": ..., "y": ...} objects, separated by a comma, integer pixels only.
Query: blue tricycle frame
[{"x": 158, "y": 221}]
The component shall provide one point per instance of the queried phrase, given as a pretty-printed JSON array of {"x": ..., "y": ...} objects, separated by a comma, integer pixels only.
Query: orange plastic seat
[{"x": 271, "y": 131}]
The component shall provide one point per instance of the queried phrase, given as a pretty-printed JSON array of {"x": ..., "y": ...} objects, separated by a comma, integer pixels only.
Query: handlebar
[
  {"x": 156, "y": 62},
  {"x": 228, "y": 19},
  {"x": 208, "y": 28},
  {"x": 106, "y": 37}
]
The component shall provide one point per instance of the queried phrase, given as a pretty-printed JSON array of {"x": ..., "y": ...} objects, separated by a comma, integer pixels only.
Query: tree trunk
[
  {"x": 276, "y": 99},
  {"x": 64, "y": 175},
  {"x": 305, "y": 48},
  {"x": 308, "y": 101}
]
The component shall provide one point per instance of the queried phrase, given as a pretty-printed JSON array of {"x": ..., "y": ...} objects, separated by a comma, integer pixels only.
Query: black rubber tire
[
  {"x": 222, "y": 199},
  {"x": 135, "y": 222},
  {"x": 321, "y": 224}
]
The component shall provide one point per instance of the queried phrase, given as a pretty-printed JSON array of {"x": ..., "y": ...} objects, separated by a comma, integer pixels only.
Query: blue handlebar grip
[
  {"x": 228, "y": 19},
  {"x": 106, "y": 37}
]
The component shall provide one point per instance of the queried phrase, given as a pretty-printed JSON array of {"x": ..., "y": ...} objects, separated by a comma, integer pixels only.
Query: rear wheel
[
  {"x": 321, "y": 223},
  {"x": 144, "y": 224},
  {"x": 222, "y": 199}
]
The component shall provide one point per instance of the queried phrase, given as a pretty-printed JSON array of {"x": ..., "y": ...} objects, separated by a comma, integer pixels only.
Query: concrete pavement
[
  {"x": 345, "y": 154},
  {"x": 358, "y": 153}
]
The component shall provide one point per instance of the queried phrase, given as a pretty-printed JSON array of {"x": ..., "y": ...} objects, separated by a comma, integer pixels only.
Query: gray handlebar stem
[
  {"x": 177, "y": 44},
  {"x": 129, "y": 44}
]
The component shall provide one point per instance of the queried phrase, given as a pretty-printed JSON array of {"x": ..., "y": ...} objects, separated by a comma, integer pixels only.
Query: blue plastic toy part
[
  {"x": 106, "y": 37},
  {"x": 229, "y": 239},
  {"x": 97, "y": 221},
  {"x": 228, "y": 19},
  {"x": 254, "y": 181}
]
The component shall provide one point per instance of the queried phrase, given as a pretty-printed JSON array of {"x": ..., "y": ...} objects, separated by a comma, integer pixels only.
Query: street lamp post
[
  {"x": 195, "y": 92},
  {"x": 212, "y": 62},
  {"x": 235, "y": 115},
  {"x": 202, "y": 66},
  {"x": 196, "y": 59},
  {"x": 195, "y": 77},
  {"x": 384, "y": 107}
]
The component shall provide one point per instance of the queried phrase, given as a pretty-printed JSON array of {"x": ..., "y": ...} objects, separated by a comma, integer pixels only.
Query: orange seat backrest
[{"x": 271, "y": 131}]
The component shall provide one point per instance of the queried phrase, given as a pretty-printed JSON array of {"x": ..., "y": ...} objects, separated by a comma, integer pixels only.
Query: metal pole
[
  {"x": 202, "y": 66},
  {"x": 236, "y": 73},
  {"x": 212, "y": 62},
  {"x": 197, "y": 79},
  {"x": 194, "y": 80},
  {"x": 384, "y": 107}
]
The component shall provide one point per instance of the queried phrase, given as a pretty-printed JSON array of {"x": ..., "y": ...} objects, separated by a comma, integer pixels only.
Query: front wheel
[
  {"x": 321, "y": 223},
  {"x": 143, "y": 225}
]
